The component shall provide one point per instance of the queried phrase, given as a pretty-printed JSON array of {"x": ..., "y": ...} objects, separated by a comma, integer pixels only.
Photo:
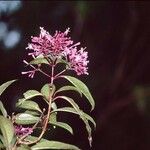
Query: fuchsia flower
[
  {"x": 20, "y": 131},
  {"x": 58, "y": 45},
  {"x": 78, "y": 61},
  {"x": 46, "y": 44}
]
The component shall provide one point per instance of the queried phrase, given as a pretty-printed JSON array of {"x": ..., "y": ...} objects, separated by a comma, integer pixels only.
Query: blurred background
[{"x": 117, "y": 37}]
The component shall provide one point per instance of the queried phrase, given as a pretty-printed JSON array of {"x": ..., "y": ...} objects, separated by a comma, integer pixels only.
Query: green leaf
[
  {"x": 47, "y": 91},
  {"x": 23, "y": 147},
  {"x": 62, "y": 125},
  {"x": 72, "y": 110},
  {"x": 60, "y": 60},
  {"x": 5, "y": 85},
  {"x": 34, "y": 113},
  {"x": 1, "y": 145},
  {"x": 20, "y": 101},
  {"x": 45, "y": 144},
  {"x": 37, "y": 61},
  {"x": 53, "y": 117},
  {"x": 81, "y": 87},
  {"x": 70, "y": 100},
  {"x": 31, "y": 93},
  {"x": 24, "y": 119},
  {"x": 54, "y": 106},
  {"x": 3, "y": 110},
  {"x": 2, "y": 139},
  {"x": 7, "y": 130},
  {"x": 31, "y": 105},
  {"x": 68, "y": 88},
  {"x": 85, "y": 118}
]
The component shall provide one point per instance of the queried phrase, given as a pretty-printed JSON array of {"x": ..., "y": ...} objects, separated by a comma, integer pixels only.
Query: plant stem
[
  {"x": 43, "y": 72},
  {"x": 47, "y": 118},
  {"x": 59, "y": 73},
  {"x": 43, "y": 130},
  {"x": 52, "y": 75},
  {"x": 38, "y": 69}
]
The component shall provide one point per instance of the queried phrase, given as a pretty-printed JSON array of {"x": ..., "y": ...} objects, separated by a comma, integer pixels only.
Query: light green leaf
[
  {"x": 62, "y": 125},
  {"x": 7, "y": 130},
  {"x": 72, "y": 110},
  {"x": 81, "y": 87},
  {"x": 34, "y": 113},
  {"x": 31, "y": 105},
  {"x": 20, "y": 101},
  {"x": 31, "y": 93},
  {"x": 47, "y": 91},
  {"x": 5, "y": 85},
  {"x": 37, "y": 61},
  {"x": 54, "y": 106},
  {"x": 3, "y": 110},
  {"x": 68, "y": 88},
  {"x": 24, "y": 119},
  {"x": 45, "y": 144},
  {"x": 23, "y": 147},
  {"x": 53, "y": 117}
]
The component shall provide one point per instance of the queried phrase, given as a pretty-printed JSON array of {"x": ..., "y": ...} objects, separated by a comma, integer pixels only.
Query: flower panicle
[{"x": 60, "y": 45}]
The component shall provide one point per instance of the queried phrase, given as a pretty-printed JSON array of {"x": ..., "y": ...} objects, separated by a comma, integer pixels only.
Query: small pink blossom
[
  {"x": 30, "y": 73},
  {"x": 78, "y": 61},
  {"x": 20, "y": 130}
]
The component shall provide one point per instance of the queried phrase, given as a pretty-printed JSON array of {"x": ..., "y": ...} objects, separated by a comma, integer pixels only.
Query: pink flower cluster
[
  {"x": 78, "y": 61},
  {"x": 46, "y": 44},
  {"x": 59, "y": 45},
  {"x": 20, "y": 131}
]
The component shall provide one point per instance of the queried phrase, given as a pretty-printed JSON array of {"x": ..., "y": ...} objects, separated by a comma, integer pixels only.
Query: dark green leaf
[
  {"x": 45, "y": 144},
  {"x": 7, "y": 130},
  {"x": 2, "y": 139},
  {"x": 31, "y": 105},
  {"x": 68, "y": 88},
  {"x": 62, "y": 125},
  {"x": 81, "y": 87},
  {"x": 71, "y": 101},
  {"x": 47, "y": 91},
  {"x": 37, "y": 61},
  {"x": 62, "y": 61},
  {"x": 1, "y": 145},
  {"x": 31, "y": 93},
  {"x": 76, "y": 107},
  {"x": 72, "y": 110},
  {"x": 3, "y": 110},
  {"x": 5, "y": 85},
  {"x": 24, "y": 118}
]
